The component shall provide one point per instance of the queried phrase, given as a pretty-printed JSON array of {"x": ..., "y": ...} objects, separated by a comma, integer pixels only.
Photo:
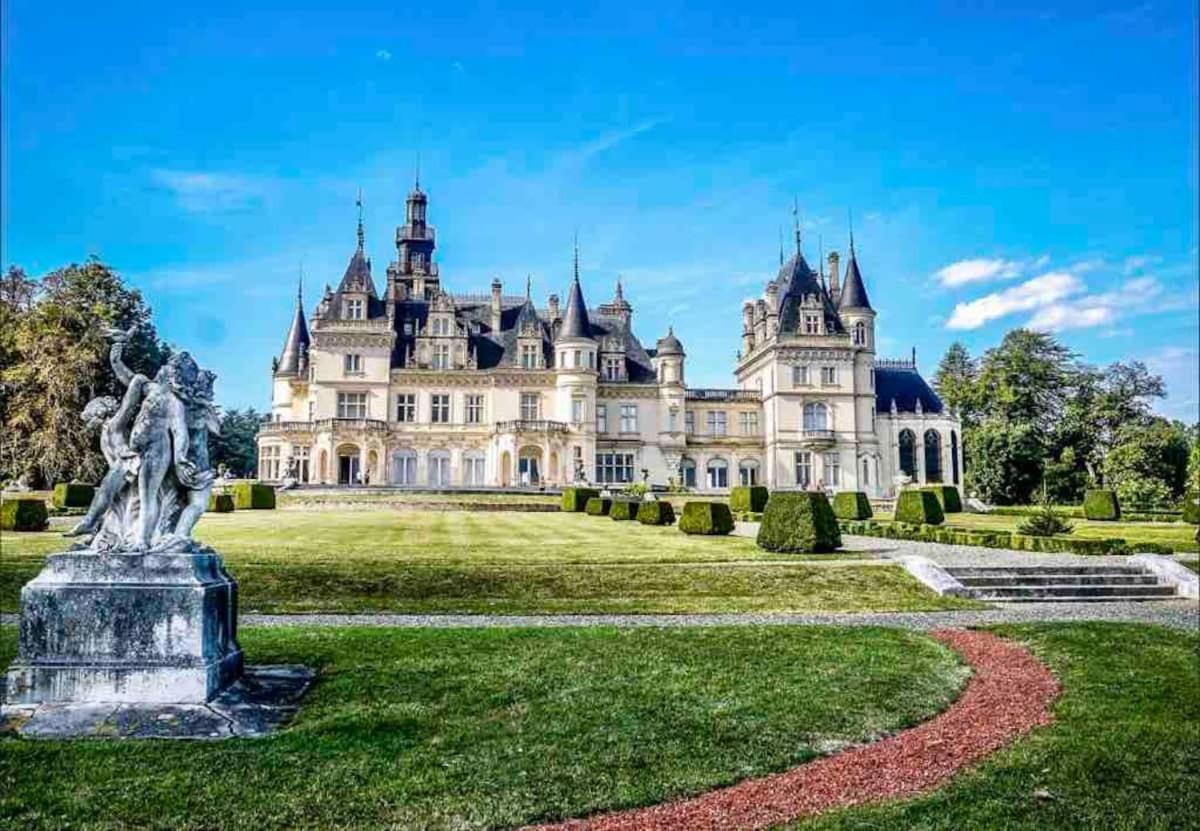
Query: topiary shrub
[
  {"x": 220, "y": 503},
  {"x": 1191, "y": 507},
  {"x": 657, "y": 512},
  {"x": 748, "y": 499},
  {"x": 799, "y": 521},
  {"x": 256, "y": 495},
  {"x": 72, "y": 495},
  {"x": 23, "y": 515},
  {"x": 623, "y": 509},
  {"x": 919, "y": 507},
  {"x": 947, "y": 496},
  {"x": 1101, "y": 505},
  {"x": 598, "y": 506},
  {"x": 575, "y": 500},
  {"x": 852, "y": 505},
  {"x": 708, "y": 518}
]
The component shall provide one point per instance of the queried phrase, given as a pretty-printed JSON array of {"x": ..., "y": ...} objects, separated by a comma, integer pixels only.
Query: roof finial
[
  {"x": 300, "y": 285},
  {"x": 620, "y": 292},
  {"x": 850, "y": 222},
  {"x": 361, "y": 237},
  {"x": 576, "y": 256},
  {"x": 796, "y": 221},
  {"x": 780, "y": 245},
  {"x": 528, "y": 286},
  {"x": 914, "y": 357},
  {"x": 417, "y": 177}
]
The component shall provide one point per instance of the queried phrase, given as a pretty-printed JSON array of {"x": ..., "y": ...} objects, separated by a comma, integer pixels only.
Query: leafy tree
[
  {"x": 1027, "y": 379},
  {"x": 955, "y": 381},
  {"x": 236, "y": 447},
  {"x": 17, "y": 292},
  {"x": 1006, "y": 461},
  {"x": 61, "y": 362},
  {"x": 1148, "y": 463},
  {"x": 1064, "y": 480}
]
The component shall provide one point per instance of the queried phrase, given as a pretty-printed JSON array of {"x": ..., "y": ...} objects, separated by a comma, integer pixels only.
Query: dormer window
[
  {"x": 612, "y": 369},
  {"x": 354, "y": 309},
  {"x": 812, "y": 324},
  {"x": 441, "y": 326},
  {"x": 529, "y": 355}
]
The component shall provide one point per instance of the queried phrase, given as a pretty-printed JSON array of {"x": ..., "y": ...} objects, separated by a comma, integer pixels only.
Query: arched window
[
  {"x": 748, "y": 472},
  {"x": 908, "y": 453},
  {"x": 816, "y": 416},
  {"x": 404, "y": 468},
  {"x": 933, "y": 456},
  {"x": 687, "y": 472},
  {"x": 439, "y": 468},
  {"x": 954, "y": 455},
  {"x": 718, "y": 474},
  {"x": 860, "y": 334},
  {"x": 866, "y": 472}
]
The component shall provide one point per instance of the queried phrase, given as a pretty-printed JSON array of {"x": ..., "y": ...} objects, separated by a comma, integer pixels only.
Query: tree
[
  {"x": 17, "y": 292},
  {"x": 236, "y": 447},
  {"x": 955, "y": 381},
  {"x": 60, "y": 363},
  {"x": 1148, "y": 462},
  {"x": 1027, "y": 379},
  {"x": 1006, "y": 461}
]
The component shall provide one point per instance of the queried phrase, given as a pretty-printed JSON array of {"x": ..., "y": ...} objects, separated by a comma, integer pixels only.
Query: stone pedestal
[{"x": 110, "y": 628}]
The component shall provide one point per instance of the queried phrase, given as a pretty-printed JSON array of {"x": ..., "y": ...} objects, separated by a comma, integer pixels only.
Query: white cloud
[
  {"x": 1041, "y": 291},
  {"x": 978, "y": 270},
  {"x": 201, "y": 192},
  {"x": 383, "y": 55},
  {"x": 1097, "y": 309},
  {"x": 1180, "y": 368}
]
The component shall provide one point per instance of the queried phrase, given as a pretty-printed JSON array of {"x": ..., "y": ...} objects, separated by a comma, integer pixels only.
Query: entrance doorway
[
  {"x": 348, "y": 465},
  {"x": 529, "y": 466}
]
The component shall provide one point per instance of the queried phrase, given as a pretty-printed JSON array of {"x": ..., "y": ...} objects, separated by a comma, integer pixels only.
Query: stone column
[{"x": 919, "y": 457}]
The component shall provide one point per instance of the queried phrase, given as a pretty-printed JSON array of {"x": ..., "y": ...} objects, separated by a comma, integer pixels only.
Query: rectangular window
[
  {"x": 352, "y": 364},
  {"x": 833, "y": 470},
  {"x": 749, "y": 422},
  {"x": 689, "y": 423},
  {"x": 441, "y": 356},
  {"x": 803, "y": 468},
  {"x": 672, "y": 418},
  {"x": 474, "y": 411},
  {"x": 716, "y": 422},
  {"x": 576, "y": 410},
  {"x": 812, "y": 325},
  {"x": 351, "y": 405},
  {"x": 614, "y": 468},
  {"x": 829, "y": 375},
  {"x": 799, "y": 376},
  {"x": 354, "y": 309},
  {"x": 473, "y": 470},
  {"x": 612, "y": 369},
  {"x": 531, "y": 406},
  {"x": 601, "y": 418},
  {"x": 406, "y": 407},
  {"x": 439, "y": 408},
  {"x": 578, "y": 359},
  {"x": 529, "y": 355},
  {"x": 629, "y": 421}
]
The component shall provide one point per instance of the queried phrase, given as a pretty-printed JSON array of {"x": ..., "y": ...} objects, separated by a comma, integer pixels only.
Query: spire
[
  {"x": 417, "y": 176},
  {"x": 295, "y": 346},
  {"x": 781, "y": 245},
  {"x": 361, "y": 236},
  {"x": 850, "y": 222},
  {"x": 620, "y": 293},
  {"x": 575, "y": 321},
  {"x": 576, "y": 256},
  {"x": 528, "y": 286},
  {"x": 854, "y": 290},
  {"x": 796, "y": 221}
]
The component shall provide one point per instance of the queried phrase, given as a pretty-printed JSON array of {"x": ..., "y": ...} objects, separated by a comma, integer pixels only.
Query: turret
[
  {"x": 670, "y": 355},
  {"x": 854, "y": 307}
]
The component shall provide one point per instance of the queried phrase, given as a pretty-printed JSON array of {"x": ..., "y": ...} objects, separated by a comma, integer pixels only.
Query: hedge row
[
  {"x": 995, "y": 539},
  {"x": 1076, "y": 512}
]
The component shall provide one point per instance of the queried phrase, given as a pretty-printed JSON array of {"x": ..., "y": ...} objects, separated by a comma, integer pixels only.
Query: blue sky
[{"x": 1007, "y": 163}]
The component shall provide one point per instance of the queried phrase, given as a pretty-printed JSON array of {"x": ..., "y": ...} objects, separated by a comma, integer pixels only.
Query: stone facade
[{"x": 422, "y": 387}]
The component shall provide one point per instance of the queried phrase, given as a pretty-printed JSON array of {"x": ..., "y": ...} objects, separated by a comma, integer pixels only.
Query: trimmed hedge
[
  {"x": 852, "y": 505},
  {"x": 220, "y": 503},
  {"x": 72, "y": 495},
  {"x": 657, "y": 512},
  {"x": 253, "y": 495},
  {"x": 1191, "y": 507},
  {"x": 947, "y": 496},
  {"x": 708, "y": 518},
  {"x": 23, "y": 515},
  {"x": 1076, "y": 512},
  {"x": 748, "y": 498},
  {"x": 598, "y": 506},
  {"x": 991, "y": 539},
  {"x": 575, "y": 500},
  {"x": 623, "y": 509},
  {"x": 919, "y": 507},
  {"x": 800, "y": 522},
  {"x": 1101, "y": 505}
]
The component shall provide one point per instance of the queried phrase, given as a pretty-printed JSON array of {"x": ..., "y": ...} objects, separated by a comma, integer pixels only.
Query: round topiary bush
[
  {"x": 748, "y": 499},
  {"x": 72, "y": 495},
  {"x": 919, "y": 507},
  {"x": 1101, "y": 505},
  {"x": 708, "y": 518},
  {"x": 221, "y": 503},
  {"x": 800, "y": 522},
  {"x": 575, "y": 500},
  {"x": 23, "y": 514},
  {"x": 623, "y": 509},
  {"x": 852, "y": 505},
  {"x": 656, "y": 512},
  {"x": 598, "y": 506}
]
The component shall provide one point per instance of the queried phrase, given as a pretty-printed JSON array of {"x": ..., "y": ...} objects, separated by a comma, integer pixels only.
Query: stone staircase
[{"x": 1069, "y": 584}]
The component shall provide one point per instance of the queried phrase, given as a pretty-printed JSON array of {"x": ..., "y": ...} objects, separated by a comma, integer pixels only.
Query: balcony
[
  {"x": 531, "y": 426},
  {"x": 818, "y": 438},
  {"x": 698, "y": 394},
  {"x": 278, "y": 428}
]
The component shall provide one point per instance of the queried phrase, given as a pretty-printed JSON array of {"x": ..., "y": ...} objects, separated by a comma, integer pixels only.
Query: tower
[
  {"x": 414, "y": 272},
  {"x": 291, "y": 368},
  {"x": 575, "y": 380}
]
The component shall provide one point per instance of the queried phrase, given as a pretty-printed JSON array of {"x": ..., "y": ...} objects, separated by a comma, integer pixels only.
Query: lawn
[
  {"x": 1178, "y": 535},
  {"x": 508, "y": 562},
  {"x": 1121, "y": 755},
  {"x": 492, "y": 728}
]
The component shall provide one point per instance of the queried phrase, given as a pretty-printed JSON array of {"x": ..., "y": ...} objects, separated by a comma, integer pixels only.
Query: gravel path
[{"x": 1009, "y": 694}]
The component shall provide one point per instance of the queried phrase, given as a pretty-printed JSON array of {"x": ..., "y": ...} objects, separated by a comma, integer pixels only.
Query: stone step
[
  {"x": 1115, "y": 598},
  {"x": 1072, "y": 592},
  {"x": 1004, "y": 571},
  {"x": 1057, "y": 579}
]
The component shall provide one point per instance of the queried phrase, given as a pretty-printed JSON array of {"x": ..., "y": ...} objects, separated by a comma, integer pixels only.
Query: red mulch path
[{"x": 1008, "y": 695}]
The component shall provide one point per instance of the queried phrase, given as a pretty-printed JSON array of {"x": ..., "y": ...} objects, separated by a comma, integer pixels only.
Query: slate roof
[
  {"x": 905, "y": 387},
  {"x": 797, "y": 280},
  {"x": 854, "y": 291},
  {"x": 669, "y": 345},
  {"x": 575, "y": 321},
  {"x": 296, "y": 343}
]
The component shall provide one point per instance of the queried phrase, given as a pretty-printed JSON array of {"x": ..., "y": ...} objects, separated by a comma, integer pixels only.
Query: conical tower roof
[
  {"x": 854, "y": 291},
  {"x": 297, "y": 343},
  {"x": 575, "y": 322}
]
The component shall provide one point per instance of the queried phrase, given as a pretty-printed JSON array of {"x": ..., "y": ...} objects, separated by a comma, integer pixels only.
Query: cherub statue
[{"x": 114, "y": 423}]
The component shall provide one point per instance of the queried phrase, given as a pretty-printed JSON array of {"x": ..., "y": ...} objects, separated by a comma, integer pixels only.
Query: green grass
[
  {"x": 1178, "y": 535},
  {"x": 1121, "y": 755},
  {"x": 512, "y": 563},
  {"x": 472, "y": 729}
]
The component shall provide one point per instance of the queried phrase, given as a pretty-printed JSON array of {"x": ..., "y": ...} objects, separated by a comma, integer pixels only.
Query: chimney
[
  {"x": 496, "y": 304},
  {"x": 747, "y": 328},
  {"x": 835, "y": 289},
  {"x": 553, "y": 307}
]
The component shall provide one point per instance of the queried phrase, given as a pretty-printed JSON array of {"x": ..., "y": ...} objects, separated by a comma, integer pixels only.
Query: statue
[{"x": 156, "y": 445}]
